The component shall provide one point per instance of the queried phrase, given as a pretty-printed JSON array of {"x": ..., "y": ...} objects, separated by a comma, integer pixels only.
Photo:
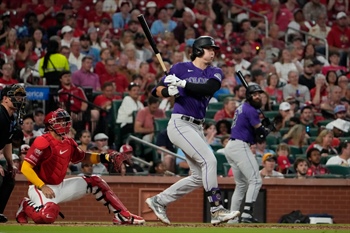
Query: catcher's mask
[
  {"x": 59, "y": 121},
  {"x": 17, "y": 94}
]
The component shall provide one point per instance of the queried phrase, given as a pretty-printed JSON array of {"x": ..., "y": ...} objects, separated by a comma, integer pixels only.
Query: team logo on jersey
[
  {"x": 218, "y": 76},
  {"x": 38, "y": 152}
]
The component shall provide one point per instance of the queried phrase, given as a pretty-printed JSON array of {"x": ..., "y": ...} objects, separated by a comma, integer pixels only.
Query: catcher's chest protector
[{"x": 53, "y": 169}]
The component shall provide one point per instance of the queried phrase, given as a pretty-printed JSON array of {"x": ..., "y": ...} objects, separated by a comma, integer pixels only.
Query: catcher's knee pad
[
  {"x": 45, "y": 215},
  {"x": 99, "y": 185}
]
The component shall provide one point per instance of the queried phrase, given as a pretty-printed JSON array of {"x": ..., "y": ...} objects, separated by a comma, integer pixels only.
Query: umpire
[{"x": 11, "y": 110}]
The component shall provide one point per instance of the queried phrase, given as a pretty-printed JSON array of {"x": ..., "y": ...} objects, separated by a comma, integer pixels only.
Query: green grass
[{"x": 174, "y": 228}]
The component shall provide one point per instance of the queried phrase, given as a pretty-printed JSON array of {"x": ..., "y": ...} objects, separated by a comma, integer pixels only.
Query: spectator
[
  {"x": 238, "y": 59},
  {"x": 46, "y": 12},
  {"x": 133, "y": 62},
  {"x": 332, "y": 101},
  {"x": 142, "y": 53},
  {"x": 129, "y": 105},
  {"x": 67, "y": 35},
  {"x": 65, "y": 51},
  {"x": 332, "y": 79},
  {"x": 100, "y": 68},
  {"x": 151, "y": 13},
  {"x": 101, "y": 141},
  {"x": 228, "y": 111},
  {"x": 239, "y": 94},
  {"x": 10, "y": 47},
  {"x": 272, "y": 87},
  {"x": 163, "y": 23},
  {"x": 188, "y": 20},
  {"x": 266, "y": 102},
  {"x": 223, "y": 127},
  {"x": 113, "y": 76},
  {"x": 223, "y": 140},
  {"x": 307, "y": 117},
  {"x": 339, "y": 127},
  {"x": 7, "y": 74},
  {"x": 343, "y": 84},
  {"x": 323, "y": 143},
  {"x": 95, "y": 16},
  {"x": 261, "y": 150},
  {"x": 313, "y": 155},
  {"x": 130, "y": 169},
  {"x": 75, "y": 57},
  {"x": 346, "y": 98},
  {"x": 280, "y": 16},
  {"x": 319, "y": 93},
  {"x": 25, "y": 55},
  {"x": 157, "y": 168},
  {"x": 39, "y": 117},
  {"x": 343, "y": 158},
  {"x": 311, "y": 54},
  {"x": 84, "y": 77},
  {"x": 52, "y": 64},
  {"x": 28, "y": 129},
  {"x": 144, "y": 122},
  {"x": 313, "y": 9},
  {"x": 95, "y": 39},
  {"x": 285, "y": 112},
  {"x": 300, "y": 92},
  {"x": 296, "y": 136},
  {"x": 340, "y": 112},
  {"x": 76, "y": 107},
  {"x": 283, "y": 163},
  {"x": 301, "y": 167},
  {"x": 269, "y": 163},
  {"x": 87, "y": 50},
  {"x": 307, "y": 78},
  {"x": 299, "y": 23},
  {"x": 339, "y": 38},
  {"x": 163, "y": 141},
  {"x": 320, "y": 30},
  {"x": 121, "y": 18},
  {"x": 334, "y": 59},
  {"x": 85, "y": 140},
  {"x": 335, "y": 7},
  {"x": 210, "y": 135},
  {"x": 86, "y": 169},
  {"x": 285, "y": 65}
]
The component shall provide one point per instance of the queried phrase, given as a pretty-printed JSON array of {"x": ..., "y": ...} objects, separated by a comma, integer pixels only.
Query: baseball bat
[
  {"x": 245, "y": 84},
  {"x": 151, "y": 41}
]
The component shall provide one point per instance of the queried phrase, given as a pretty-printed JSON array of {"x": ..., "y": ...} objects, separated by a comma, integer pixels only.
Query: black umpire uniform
[{"x": 9, "y": 128}]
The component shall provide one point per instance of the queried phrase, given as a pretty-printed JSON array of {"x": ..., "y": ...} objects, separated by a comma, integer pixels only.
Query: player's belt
[
  {"x": 192, "y": 119},
  {"x": 233, "y": 139}
]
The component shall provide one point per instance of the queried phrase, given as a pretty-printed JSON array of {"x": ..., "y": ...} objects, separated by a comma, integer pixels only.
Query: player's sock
[
  {"x": 248, "y": 210},
  {"x": 214, "y": 198}
]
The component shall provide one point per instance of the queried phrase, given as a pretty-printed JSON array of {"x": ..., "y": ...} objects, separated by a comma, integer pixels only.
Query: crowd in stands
[{"x": 301, "y": 61}]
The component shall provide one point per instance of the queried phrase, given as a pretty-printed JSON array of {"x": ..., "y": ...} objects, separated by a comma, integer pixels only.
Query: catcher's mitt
[{"x": 118, "y": 158}]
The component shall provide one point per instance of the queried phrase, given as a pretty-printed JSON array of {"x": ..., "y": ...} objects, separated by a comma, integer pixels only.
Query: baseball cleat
[
  {"x": 158, "y": 209},
  {"x": 21, "y": 216},
  {"x": 127, "y": 218},
  {"x": 223, "y": 215},
  {"x": 3, "y": 218}
]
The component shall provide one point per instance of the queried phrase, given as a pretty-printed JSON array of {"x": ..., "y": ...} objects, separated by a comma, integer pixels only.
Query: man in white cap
[
  {"x": 339, "y": 127},
  {"x": 67, "y": 35},
  {"x": 101, "y": 141},
  {"x": 339, "y": 37}
]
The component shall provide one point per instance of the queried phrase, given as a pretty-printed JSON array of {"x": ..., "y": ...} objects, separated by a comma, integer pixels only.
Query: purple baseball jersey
[
  {"x": 191, "y": 104},
  {"x": 246, "y": 117}
]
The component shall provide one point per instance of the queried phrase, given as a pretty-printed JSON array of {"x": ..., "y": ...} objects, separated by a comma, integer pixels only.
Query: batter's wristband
[
  {"x": 165, "y": 92},
  {"x": 104, "y": 158}
]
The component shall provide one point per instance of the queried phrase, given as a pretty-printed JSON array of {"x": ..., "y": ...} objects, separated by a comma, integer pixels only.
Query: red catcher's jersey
[{"x": 50, "y": 157}]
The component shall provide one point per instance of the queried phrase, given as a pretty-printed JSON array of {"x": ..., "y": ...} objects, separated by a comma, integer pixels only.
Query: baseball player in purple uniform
[
  {"x": 246, "y": 130},
  {"x": 193, "y": 84}
]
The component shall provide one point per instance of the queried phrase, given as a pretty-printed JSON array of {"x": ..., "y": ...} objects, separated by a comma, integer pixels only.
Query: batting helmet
[
  {"x": 200, "y": 43},
  {"x": 252, "y": 89},
  {"x": 59, "y": 121}
]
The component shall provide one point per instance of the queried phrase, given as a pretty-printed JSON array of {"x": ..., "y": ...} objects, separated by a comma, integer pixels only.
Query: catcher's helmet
[
  {"x": 252, "y": 89},
  {"x": 59, "y": 121},
  {"x": 200, "y": 43}
]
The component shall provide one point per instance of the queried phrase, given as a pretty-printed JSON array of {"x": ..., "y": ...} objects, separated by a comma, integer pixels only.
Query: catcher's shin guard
[
  {"x": 103, "y": 193},
  {"x": 39, "y": 214}
]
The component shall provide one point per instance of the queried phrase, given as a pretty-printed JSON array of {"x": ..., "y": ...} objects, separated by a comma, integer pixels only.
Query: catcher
[{"x": 45, "y": 166}]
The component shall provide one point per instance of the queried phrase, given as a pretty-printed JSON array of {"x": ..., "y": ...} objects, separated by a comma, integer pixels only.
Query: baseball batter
[
  {"x": 45, "y": 166},
  {"x": 246, "y": 129},
  {"x": 194, "y": 83}
]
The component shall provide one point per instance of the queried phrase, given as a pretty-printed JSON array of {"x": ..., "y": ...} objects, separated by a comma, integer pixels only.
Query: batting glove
[
  {"x": 173, "y": 91},
  {"x": 172, "y": 80}
]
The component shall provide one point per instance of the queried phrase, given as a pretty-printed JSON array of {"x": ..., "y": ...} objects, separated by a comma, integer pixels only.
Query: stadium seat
[
  {"x": 208, "y": 120},
  {"x": 324, "y": 159},
  {"x": 339, "y": 170},
  {"x": 271, "y": 140},
  {"x": 295, "y": 150},
  {"x": 160, "y": 125},
  {"x": 313, "y": 132},
  {"x": 323, "y": 122},
  {"x": 342, "y": 139},
  {"x": 210, "y": 113},
  {"x": 223, "y": 96},
  {"x": 283, "y": 131},
  {"x": 221, "y": 159},
  {"x": 227, "y": 167},
  {"x": 216, "y": 147},
  {"x": 275, "y": 107},
  {"x": 271, "y": 114},
  {"x": 168, "y": 113},
  {"x": 216, "y": 106},
  {"x": 328, "y": 176}
]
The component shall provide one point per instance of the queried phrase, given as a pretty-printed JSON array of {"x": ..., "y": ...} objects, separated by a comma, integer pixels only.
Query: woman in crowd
[
  {"x": 272, "y": 87},
  {"x": 323, "y": 143}
]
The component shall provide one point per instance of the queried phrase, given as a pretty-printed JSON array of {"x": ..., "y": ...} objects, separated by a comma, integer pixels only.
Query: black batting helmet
[
  {"x": 252, "y": 89},
  {"x": 200, "y": 43}
]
